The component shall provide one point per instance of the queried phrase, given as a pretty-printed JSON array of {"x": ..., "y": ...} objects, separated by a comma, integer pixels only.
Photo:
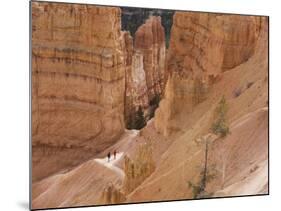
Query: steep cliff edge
[{"x": 78, "y": 81}]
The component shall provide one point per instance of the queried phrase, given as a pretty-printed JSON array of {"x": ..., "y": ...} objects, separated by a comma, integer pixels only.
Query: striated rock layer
[
  {"x": 89, "y": 81},
  {"x": 137, "y": 170},
  {"x": 240, "y": 38},
  {"x": 150, "y": 41},
  {"x": 78, "y": 77},
  {"x": 202, "y": 46},
  {"x": 210, "y": 43},
  {"x": 195, "y": 45},
  {"x": 136, "y": 88},
  {"x": 145, "y": 68}
]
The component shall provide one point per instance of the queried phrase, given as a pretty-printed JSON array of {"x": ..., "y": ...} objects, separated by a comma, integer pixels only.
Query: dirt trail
[{"x": 111, "y": 163}]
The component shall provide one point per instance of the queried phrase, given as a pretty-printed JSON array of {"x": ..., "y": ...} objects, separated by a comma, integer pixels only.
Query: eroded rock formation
[
  {"x": 89, "y": 79},
  {"x": 78, "y": 76},
  {"x": 150, "y": 41},
  {"x": 195, "y": 45},
  {"x": 240, "y": 38},
  {"x": 112, "y": 195},
  {"x": 137, "y": 170},
  {"x": 145, "y": 76},
  {"x": 136, "y": 88},
  {"x": 196, "y": 63},
  {"x": 202, "y": 46}
]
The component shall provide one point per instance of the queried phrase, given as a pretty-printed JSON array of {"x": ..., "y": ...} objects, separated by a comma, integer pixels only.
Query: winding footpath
[{"x": 111, "y": 164}]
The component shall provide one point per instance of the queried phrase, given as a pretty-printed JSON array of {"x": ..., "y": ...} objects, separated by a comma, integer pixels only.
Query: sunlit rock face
[
  {"x": 240, "y": 38},
  {"x": 150, "y": 41},
  {"x": 146, "y": 69},
  {"x": 89, "y": 79},
  {"x": 138, "y": 169},
  {"x": 78, "y": 76},
  {"x": 136, "y": 88},
  {"x": 202, "y": 47}
]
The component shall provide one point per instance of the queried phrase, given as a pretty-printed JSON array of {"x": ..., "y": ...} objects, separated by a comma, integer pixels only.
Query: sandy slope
[
  {"x": 244, "y": 153},
  {"x": 246, "y": 146},
  {"x": 83, "y": 184}
]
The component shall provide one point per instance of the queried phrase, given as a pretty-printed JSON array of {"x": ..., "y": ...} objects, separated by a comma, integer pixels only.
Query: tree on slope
[{"x": 219, "y": 126}]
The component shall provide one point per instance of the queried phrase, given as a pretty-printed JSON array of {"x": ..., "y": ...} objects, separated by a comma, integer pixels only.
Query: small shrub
[
  {"x": 154, "y": 104},
  {"x": 140, "y": 120},
  {"x": 198, "y": 190},
  {"x": 205, "y": 195},
  {"x": 136, "y": 120},
  {"x": 155, "y": 100},
  {"x": 211, "y": 173},
  {"x": 195, "y": 189},
  {"x": 219, "y": 126}
]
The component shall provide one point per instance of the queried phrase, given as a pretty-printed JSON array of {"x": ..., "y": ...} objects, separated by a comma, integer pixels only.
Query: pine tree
[
  {"x": 139, "y": 119},
  {"x": 220, "y": 127}
]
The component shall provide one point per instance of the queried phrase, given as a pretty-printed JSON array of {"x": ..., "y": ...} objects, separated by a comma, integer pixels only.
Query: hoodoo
[{"x": 145, "y": 78}]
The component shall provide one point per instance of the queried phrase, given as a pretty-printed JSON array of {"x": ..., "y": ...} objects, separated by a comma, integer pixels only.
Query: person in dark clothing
[
  {"x": 115, "y": 154},
  {"x": 108, "y": 156}
]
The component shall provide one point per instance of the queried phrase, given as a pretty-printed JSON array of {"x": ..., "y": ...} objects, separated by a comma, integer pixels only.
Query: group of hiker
[{"x": 109, "y": 155}]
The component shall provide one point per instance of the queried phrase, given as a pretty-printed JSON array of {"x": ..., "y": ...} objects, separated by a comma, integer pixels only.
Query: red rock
[
  {"x": 78, "y": 80},
  {"x": 150, "y": 41},
  {"x": 202, "y": 47},
  {"x": 145, "y": 77}
]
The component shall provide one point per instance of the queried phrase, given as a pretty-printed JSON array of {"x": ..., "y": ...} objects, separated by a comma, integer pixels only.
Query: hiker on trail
[
  {"x": 114, "y": 154},
  {"x": 108, "y": 156}
]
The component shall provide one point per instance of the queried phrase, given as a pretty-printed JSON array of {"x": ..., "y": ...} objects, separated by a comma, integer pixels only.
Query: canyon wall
[
  {"x": 210, "y": 43},
  {"x": 138, "y": 169},
  {"x": 202, "y": 47},
  {"x": 146, "y": 69},
  {"x": 195, "y": 45},
  {"x": 90, "y": 80},
  {"x": 240, "y": 38},
  {"x": 150, "y": 41},
  {"x": 136, "y": 88},
  {"x": 78, "y": 76}
]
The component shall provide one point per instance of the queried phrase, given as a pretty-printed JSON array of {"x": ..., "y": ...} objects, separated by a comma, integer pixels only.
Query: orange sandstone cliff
[
  {"x": 145, "y": 80},
  {"x": 88, "y": 80},
  {"x": 78, "y": 78},
  {"x": 202, "y": 47}
]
